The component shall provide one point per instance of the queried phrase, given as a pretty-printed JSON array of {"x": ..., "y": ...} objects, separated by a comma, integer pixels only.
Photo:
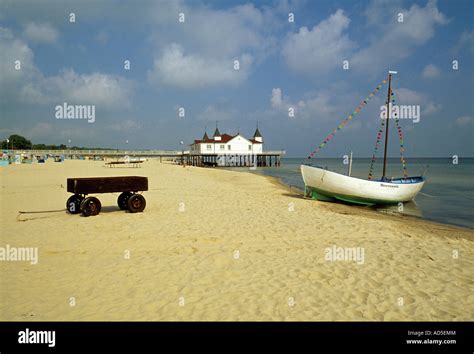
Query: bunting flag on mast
[
  {"x": 348, "y": 119},
  {"x": 400, "y": 138},
  {"x": 377, "y": 145}
]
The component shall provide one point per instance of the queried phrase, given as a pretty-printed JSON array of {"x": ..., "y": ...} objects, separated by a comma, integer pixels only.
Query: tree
[
  {"x": 18, "y": 141},
  {"x": 21, "y": 143}
]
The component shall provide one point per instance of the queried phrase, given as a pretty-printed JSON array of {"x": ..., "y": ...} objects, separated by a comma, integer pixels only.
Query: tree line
[{"x": 18, "y": 142}]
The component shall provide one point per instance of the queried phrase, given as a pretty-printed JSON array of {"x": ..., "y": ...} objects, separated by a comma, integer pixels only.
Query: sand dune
[{"x": 221, "y": 245}]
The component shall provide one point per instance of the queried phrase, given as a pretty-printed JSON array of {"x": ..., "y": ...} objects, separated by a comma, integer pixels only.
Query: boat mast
[
  {"x": 350, "y": 165},
  {"x": 387, "y": 116}
]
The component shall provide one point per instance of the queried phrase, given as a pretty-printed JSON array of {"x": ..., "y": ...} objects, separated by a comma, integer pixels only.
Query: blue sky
[{"x": 282, "y": 64}]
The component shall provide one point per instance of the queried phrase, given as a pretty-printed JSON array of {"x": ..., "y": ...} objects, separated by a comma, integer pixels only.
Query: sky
[{"x": 241, "y": 64}]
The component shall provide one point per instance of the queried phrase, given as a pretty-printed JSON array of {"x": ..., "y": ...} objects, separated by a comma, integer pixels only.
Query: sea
[{"x": 447, "y": 197}]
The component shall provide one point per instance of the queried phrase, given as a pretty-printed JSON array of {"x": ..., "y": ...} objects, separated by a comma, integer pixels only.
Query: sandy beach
[{"x": 214, "y": 244}]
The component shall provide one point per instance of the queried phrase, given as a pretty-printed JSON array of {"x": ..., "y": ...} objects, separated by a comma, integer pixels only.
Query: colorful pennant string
[
  {"x": 349, "y": 118},
  {"x": 400, "y": 138},
  {"x": 377, "y": 145},
  {"x": 379, "y": 137}
]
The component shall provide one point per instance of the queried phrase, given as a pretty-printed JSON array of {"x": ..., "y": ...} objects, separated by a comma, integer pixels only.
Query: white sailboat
[{"x": 322, "y": 184}]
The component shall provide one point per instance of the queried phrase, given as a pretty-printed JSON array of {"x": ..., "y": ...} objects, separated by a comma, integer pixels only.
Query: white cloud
[
  {"x": 398, "y": 40},
  {"x": 212, "y": 113},
  {"x": 29, "y": 85},
  {"x": 430, "y": 71},
  {"x": 317, "y": 105},
  {"x": 320, "y": 49},
  {"x": 411, "y": 97},
  {"x": 332, "y": 105},
  {"x": 277, "y": 98},
  {"x": 327, "y": 45},
  {"x": 430, "y": 108},
  {"x": 207, "y": 43},
  {"x": 463, "y": 121},
  {"x": 32, "y": 93},
  {"x": 466, "y": 41},
  {"x": 236, "y": 29},
  {"x": 246, "y": 24},
  {"x": 182, "y": 70},
  {"x": 106, "y": 91},
  {"x": 380, "y": 12},
  {"x": 408, "y": 96},
  {"x": 98, "y": 88},
  {"x": 41, "y": 33},
  {"x": 14, "y": 49}
]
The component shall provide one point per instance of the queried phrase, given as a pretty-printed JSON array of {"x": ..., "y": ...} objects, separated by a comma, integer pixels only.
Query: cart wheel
[
  {"x": 73, "y": 204},
  {"x": 136, "y": 203},
  {"x": 90, "y": 206},
  {"x": 123, "y": 199}
]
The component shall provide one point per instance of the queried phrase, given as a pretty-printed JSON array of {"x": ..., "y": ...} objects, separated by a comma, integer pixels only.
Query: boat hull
[{"x": 326, "y": 185}]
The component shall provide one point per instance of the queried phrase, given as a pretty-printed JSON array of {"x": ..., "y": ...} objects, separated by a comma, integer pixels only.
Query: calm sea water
[{"x": 447, "y": 197}]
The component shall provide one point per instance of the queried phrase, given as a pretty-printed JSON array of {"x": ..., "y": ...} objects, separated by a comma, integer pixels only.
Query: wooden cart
[{"x": 88, "y": 206}]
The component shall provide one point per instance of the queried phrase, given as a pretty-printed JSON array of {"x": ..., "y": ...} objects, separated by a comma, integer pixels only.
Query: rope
[
  {"x": 20, "y": 213},
  {"x": 431, "y": 196},
  {"x": 42, "y": 211},
  {"x": 349, "y": 118}
]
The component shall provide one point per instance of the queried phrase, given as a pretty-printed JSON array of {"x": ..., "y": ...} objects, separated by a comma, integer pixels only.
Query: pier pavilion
[{"x": 224, "y": 150}]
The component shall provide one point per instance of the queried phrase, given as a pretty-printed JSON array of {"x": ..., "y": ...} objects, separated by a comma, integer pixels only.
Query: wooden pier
[
  {"x": 101, "y": 153},
  {"x": 265, "y": 159}
]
